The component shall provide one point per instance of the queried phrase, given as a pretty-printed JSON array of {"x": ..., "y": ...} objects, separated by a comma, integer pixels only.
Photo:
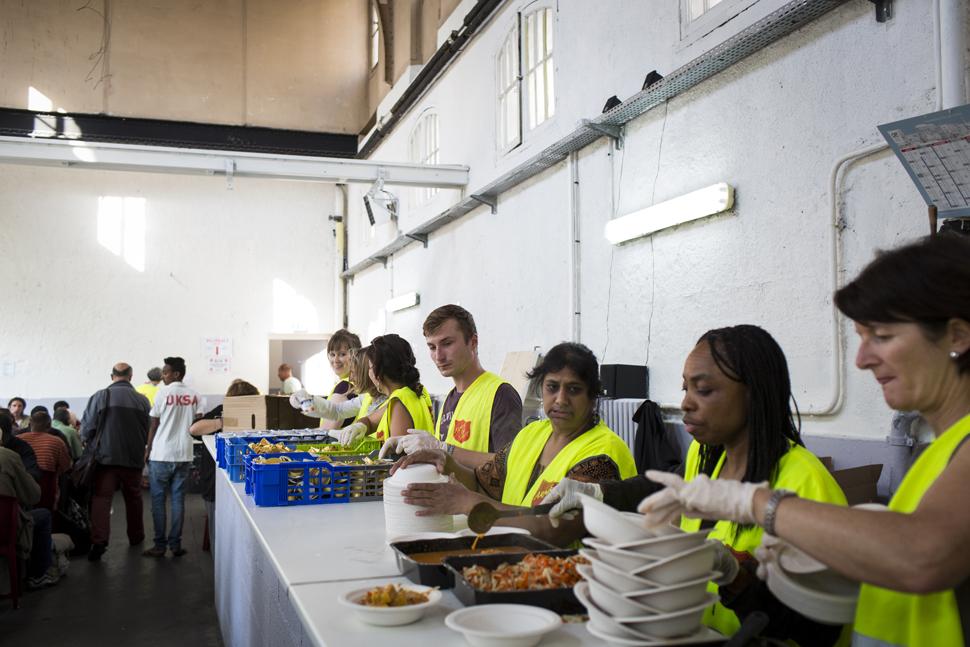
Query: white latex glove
[
  {"x": 417, "y": 439},
  {"x": 391, "y": 446},
  {"x": 301, "y": 400},
  {"x": 721, "y": 499},
  {"x": 792, "y": 560},
  {"x": 351, "y": 434},
  {"x": 726, "y": 563},
  {"x": 566, "y": 497}
]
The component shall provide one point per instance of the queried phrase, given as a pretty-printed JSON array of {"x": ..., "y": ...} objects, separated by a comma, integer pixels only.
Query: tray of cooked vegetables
[{"x": 543, "y": 579}]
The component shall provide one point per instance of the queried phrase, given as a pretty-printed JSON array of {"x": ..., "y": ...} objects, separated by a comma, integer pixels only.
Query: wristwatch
[{"x": 771, "y": 508}]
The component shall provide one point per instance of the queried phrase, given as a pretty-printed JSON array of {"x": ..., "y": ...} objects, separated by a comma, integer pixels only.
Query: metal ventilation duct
[{"x": 768, "y": 30}]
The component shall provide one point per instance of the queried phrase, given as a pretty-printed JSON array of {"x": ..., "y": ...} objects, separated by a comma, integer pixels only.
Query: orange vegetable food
[
  {"x": 392, "y": 595},
  {"x": 534, "y": 572}
]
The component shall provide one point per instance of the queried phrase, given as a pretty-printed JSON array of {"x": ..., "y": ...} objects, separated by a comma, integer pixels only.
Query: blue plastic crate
[{"x": 315, "y": 482}]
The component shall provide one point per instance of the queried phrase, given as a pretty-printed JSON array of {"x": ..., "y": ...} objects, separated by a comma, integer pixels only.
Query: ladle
[{"x": 483, "y": 516}]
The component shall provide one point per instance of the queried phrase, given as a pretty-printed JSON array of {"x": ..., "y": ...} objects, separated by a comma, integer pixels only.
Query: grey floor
[{"x": 126, "y": 599}]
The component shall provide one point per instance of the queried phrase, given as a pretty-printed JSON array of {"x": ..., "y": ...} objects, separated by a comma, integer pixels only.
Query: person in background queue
[
  {"x": 482, "y": 413},
  {"x": 169, "y": 454},
  {"x": 911, "y": 309},
  {"x": 51, "y": 450},
  {"x": 341, "y": 348},
  {"x": 61, "y": 421},
  {"x": 150, "y": 388},
  {"x": 116, "y": 420},
  {"x": 21, "y": 448},
  {"x": 393, "y": 372},
  {"x": 572, "y": 442},
  {"x": 17, "y": 406},
  {"x": 33, "y": 539},
  {"x": 737, "y": 393},
  {"x": 210, "y": 423}
]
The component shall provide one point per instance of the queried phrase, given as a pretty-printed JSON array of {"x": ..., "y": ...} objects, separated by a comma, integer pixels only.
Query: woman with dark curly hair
[
  {"x": 393, "y": 372},
  {"x": 571, "y": 442}
]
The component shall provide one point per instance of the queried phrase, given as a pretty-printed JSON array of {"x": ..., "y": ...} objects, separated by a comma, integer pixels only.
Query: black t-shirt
[{"x": 207, "y": 466}]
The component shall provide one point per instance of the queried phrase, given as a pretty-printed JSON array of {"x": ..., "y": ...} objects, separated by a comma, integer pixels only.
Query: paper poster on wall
[{"x": 220, "y": 364}]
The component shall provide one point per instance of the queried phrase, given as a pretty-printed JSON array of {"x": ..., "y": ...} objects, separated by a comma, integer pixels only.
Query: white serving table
[{"x": 279, "y": 571}]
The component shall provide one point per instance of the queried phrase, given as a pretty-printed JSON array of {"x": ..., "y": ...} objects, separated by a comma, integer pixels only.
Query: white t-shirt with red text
[{"x": 176, "y": 406}]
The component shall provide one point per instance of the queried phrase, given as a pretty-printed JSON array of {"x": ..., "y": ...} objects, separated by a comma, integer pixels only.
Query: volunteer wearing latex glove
[
  {"x": 566, "y": 497},
  {"x": 351, "y": 434},
  {"x": 319, "y": 407},
  {"x": 736, "y": 407},
  {"x": 414, "y": 441}
]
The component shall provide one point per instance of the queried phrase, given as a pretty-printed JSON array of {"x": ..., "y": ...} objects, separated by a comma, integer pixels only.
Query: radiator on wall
[{"x": 618, "y": 416}]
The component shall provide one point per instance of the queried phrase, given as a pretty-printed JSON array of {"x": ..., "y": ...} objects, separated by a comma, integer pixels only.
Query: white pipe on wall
[
  {"x": 574, "y": 252},
  {"x": 952, "y": 48}
]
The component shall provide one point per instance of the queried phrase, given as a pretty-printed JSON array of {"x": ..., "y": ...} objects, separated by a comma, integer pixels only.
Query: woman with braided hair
[{"x": 408, "y": 406}]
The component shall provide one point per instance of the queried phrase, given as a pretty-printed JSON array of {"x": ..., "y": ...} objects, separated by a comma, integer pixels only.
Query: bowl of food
[
  {"x": 503, "y": 625},
  {"x": 392, "y": 604},
  {"x": 613, "y": 526}
]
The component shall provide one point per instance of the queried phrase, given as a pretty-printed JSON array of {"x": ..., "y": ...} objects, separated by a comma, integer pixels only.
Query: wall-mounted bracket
[
  {"x": 230, "y": 172},
  {"x": 383, "y": 261},
  {"x": 884, "y": 9},
  {"x": 421, "y": 238},
  {"x": 613, "y": 132},
  {"x": 491, "y": 202}
]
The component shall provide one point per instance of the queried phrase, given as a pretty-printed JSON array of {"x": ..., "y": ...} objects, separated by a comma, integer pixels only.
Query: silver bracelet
[{"x": 771, "y": 509}]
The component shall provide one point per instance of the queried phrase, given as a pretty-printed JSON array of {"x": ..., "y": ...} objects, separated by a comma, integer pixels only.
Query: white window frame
[
  {"x": 525, "y": 77},
  {"x": 424, "y": 148},
  {"x": 374, "y": 34},
  {"x": 711, "y": 19}
]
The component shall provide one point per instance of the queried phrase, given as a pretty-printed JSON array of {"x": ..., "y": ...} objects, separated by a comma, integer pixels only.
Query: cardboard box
[
  {"x": 859, "y": 483},
  {"x": 263, "y": 412}
]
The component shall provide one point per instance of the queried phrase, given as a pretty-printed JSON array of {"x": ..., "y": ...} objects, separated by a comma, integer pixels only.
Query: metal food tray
[
  {"x": 437, "y": 574},
  {"x": 563, "y": 601}
]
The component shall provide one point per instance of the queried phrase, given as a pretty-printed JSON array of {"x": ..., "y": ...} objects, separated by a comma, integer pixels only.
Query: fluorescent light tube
[
  {"x": 692, "y": 206},
  {"x": 403, "y": 302}
]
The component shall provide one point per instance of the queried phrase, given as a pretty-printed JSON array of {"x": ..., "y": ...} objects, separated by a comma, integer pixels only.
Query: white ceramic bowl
[
  {"x": 682, "y": 567},
  {"x": 618, "y": 580},
  {"x": 611, "y": 525},
  {"x": 390, "y": 616},
  {"x": 602, "y": 620},
  {"x": 626, "y": 560},
  {"x": 824, "y": 597},
  {"x": 503, "y": 625},
  {"x": 606, "y": 598},
  {"x": 674, "y": 597},
  {"x": 670, "y": 625},
  {"x": 665, "y": 545},
  {"x": 702, "y": 636}
]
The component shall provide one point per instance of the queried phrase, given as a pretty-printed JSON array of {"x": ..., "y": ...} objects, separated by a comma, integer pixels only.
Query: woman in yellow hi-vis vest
[
  {"x": 336, "y": 408},
  {"x": 393, "y": 371},
  {"x": 571, "y": 441},
  {"x": 737, "y": 407},
  {"x": 342, "y": 346},
  {"x": 911, "y": 309}
]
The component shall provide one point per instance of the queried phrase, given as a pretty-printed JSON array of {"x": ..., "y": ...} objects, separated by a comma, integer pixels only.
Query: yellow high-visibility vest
[
  {"x": 527, "y": 449},
  {"x": 886, "y": 617},
  {"x": 800, "y": 471},
  {"x": 470, "y": 424},
  {"x": 416, "y": 405}
]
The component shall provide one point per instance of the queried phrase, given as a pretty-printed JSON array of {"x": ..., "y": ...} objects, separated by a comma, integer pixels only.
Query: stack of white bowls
[
  {"x": 399, "y": 517},
  {"x": 643, "y": 584}
]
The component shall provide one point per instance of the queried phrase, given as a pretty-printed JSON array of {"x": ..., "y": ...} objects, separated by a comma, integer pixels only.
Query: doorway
[{"x": 307, "y": 356}]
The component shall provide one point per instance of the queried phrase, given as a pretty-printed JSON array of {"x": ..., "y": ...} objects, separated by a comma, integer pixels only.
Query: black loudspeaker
[{"x": 624, "y": 380}]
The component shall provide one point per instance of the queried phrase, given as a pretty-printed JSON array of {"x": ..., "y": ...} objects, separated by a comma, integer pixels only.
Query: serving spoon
[{"x": 483, "y": 516}]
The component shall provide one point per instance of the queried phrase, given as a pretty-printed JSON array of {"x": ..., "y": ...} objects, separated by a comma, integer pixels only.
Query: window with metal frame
[
  {"x": 375, "y": 35},
  {"x": 423, "y": 149},
  {"x": 525, "y": 77}
]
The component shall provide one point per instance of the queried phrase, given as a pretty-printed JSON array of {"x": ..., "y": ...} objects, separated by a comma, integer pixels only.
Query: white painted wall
[
  {"x": 240, "y": 263},
  {"x": 772, "y": 126}
]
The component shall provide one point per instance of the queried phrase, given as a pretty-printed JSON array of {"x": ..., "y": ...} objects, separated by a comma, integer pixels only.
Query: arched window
[{"x": 423, "y": 149}]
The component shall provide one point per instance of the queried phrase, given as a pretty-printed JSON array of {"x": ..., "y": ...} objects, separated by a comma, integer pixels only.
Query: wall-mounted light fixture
[
  {"x": 403, "y": 302},
  {"x": 692, "y": 206}
]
